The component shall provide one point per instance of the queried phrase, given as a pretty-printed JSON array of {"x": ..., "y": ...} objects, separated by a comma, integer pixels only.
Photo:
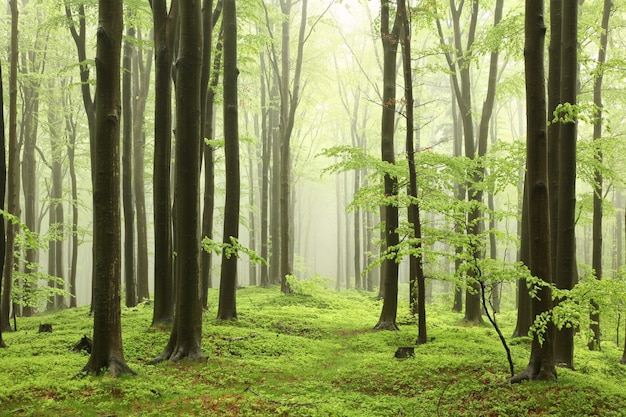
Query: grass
[{"x": 300, "y": 355}]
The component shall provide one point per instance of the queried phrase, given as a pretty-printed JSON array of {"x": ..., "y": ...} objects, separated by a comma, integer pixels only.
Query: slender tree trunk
[
  {"x": 3, "y": 183},
  {"x": 211, "y": 64},
  {"x": 164, "y": 29},
  {"x": 418, "y": 299},
  {"x": 70, "y": 128},
  {"x": 13, "y": 181},
  {"x": 227, "y": 309},
  {"x": 127, "y": 173},
  {"x": 596, "y": 262},
  {"x": 524, "y": 307},
  {"x": 265, "y": 174},
  {"x": 141, "y": 83},
  {"x": 387, "y": 320}
]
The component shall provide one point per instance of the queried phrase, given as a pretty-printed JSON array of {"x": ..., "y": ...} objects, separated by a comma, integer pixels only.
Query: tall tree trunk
[
  {"x": 141, "y": 86},
  {"x": 186, "y": 335},
  {"x": 107, "y": 349},
  {"x": 228, "y": 279},
  {"x": 164, "y": 30},
  {"x": 209, "y": 79},
  {"x": 265, "y": 173},
  {"x": 387, "y": 320},
  {"x": 541, "y": 363},
  {"x": 566, "y": 269},
  {"x": 3, "y": 183},
  {"x": 524, "y": 317},
  {"x": 290, "y": 98},
  {"x": 418, "y": 299},
  {"x": 127, "y": 173},
  {"x": 70, "y": 128},
  {"x": 596, "y": 262},
  {"x": 13, "y": 181}
]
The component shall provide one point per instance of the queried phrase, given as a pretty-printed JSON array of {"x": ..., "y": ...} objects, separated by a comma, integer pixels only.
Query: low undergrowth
[{"x": 300, "y": 355}]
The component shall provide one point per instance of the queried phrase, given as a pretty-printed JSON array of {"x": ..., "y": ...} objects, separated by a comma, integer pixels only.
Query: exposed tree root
[
  {"x": 114, "y": 365},
  {"x": 386, "y": 325},
  {"x": 535, "y": 372},
  {"x": 179, "y": 353}
]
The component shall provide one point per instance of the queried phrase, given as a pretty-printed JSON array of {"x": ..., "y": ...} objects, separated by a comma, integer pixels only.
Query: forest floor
[{"x": 309, "y": 354}]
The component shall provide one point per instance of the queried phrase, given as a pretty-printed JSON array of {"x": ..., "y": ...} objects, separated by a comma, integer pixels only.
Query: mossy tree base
[{"x": 115, "y": 366}]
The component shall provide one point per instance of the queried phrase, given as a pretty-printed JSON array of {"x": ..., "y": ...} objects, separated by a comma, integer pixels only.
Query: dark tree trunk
[
  {"x": 127, "y": 173},
  {"x": 417, "y": 281},
  {"x": 566, "y": 269},
  {"x": 541, "y": 363},
  {"x": 209, "y": 80},
  {"x": 185, "y": 339},
  {"x": 524, "y": 313},
  {"x": 554, "y": 99},
  {"x": 164, "y": 29},
  {"x": 387, "y": 320},
  {"x": 3, "y": 183},
  {"x": 228, "y": 279},
  {"x": 596, "y": 262},
  {"x": 13, "y": 181},
  {"x": 107, "y": 349}
]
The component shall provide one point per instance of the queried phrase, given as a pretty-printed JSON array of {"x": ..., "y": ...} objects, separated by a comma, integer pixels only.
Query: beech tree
[
  {"x": 541, "y": 363},
  {"x": 164, "y": 22},
  {"x": 596, "y": 263},
  {"x": 13, "y": 175},
  {"x": 3, "y": 182},
  {"x": 228, "y": 279},
  {"x": 566, "y": 269},
  {"x": 107, "y": 349},
  {"x": 186, "y": 334},
  {"x": 389, "y": 38}
]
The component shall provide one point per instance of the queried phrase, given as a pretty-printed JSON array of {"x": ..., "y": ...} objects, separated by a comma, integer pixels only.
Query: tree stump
[
  {"x": 404, "y": 352},
  {"x": 45, "y": 328}
]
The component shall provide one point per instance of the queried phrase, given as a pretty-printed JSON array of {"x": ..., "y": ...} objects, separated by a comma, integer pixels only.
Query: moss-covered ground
[{"x": 301, "y": 355}]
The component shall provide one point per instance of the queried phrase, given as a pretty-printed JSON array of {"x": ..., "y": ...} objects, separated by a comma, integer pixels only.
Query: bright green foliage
[
  {"x": 30, "y": 285},
  {"x": 301, "y": 355},
  {"x": 234, "y": 248}
]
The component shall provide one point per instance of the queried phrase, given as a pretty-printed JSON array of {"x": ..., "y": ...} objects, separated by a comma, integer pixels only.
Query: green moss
[{"x": 300, "y": 355}]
